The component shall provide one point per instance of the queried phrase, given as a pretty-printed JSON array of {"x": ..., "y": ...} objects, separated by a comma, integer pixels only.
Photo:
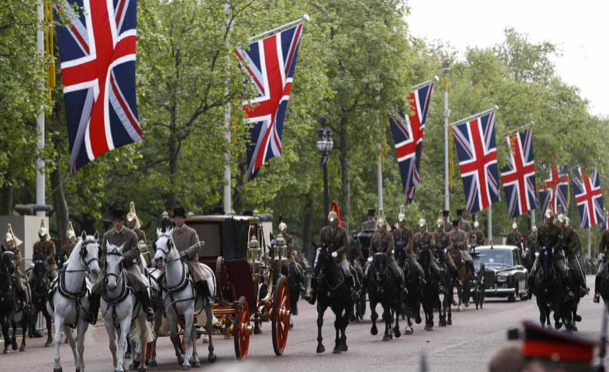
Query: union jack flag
[
  {"x": 408, "y": 132},
  {"x": 477, "y": 150},
  {"x": 270, "y": 63},
  {"x": 559, "y": 184},
  {"x": 589, "y": 199},
  {"x": 545, "y": 198},
  {"x": 519, "y": 175},
  {"x": 97, "y": 48}
]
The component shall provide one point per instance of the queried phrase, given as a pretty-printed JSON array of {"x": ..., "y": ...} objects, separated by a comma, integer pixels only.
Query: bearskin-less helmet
[
  {"x": 332, "y": 216},
  {"x": 422, "y": 222},
  {"x": 282, "y": 226}
]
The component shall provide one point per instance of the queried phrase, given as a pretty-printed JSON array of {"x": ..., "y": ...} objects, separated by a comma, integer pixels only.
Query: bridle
[
  {"x": 108, "y": 275},
  {"x": 170, "y": 246},
  {"x": 83, "y": 257}
]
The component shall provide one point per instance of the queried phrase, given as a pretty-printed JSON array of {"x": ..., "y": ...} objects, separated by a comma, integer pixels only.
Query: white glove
[{"x": 334, "y": 254}]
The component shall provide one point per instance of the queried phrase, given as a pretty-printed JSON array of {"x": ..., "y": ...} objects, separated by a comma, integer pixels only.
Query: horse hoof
[
  {"x": 212, "y": 358},
  {"x": 196, "y": 364},
  {"x": 57, "y": 369},
  {"x": 185, "y": 368},
  {"x": 321, "y": 349},
  {"x": 409, "y": 331},
  {"x": 14, "y": 346},
  {"x": 442, "y": 323},
  {"x": 449, "y": 322},
  {"x": 141, "y": 369},
  {"x": 134, "y": 366},
  {"x": 344, "y": 347},
  {"x": 374, "y": 331},
  {"x": 5, "y": 351},
  {"x": 22, "y": 348},
  {"x": 578, "y": 318},
  {"x": 459, "y": 308},
  {"x": 397, "y": 333},
  {"x": 418, "y": 319},
  {"x": 153, "y": 364},
  {"x": 48, "y": 343},
  {"x": 386, "y": 338},
  {"x": 336, "y": 350}
]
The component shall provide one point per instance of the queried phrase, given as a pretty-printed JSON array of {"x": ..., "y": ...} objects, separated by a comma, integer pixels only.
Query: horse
[
  {"x": 69, "y": 299},
  {"x": 295, "y": 276},
  {"x": 603, "y": 282},
  {"x": 119, "y": 308},
  {"x": 12, "y": 309},
  {"x": 448, "y": 280},
  {"x": 180, "y": 299},
  {"x": 333, "y": 292},
  {"x": 411, "y": 301},
  {"x": 431, "y": 296},
  {"x": 40, "y": 296},
  {"x": 153, "y": 274},
  {"x": 465, "y": 274},
  {"x": 384, "y": 287},
  {"x": 550, "y": 293}
]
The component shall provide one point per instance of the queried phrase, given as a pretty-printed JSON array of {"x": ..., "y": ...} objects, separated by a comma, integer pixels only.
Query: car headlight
[{"x": 502, "y": 278}]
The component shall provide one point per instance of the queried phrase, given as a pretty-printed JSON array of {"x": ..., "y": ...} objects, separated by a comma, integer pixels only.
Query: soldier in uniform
[
  {"x": 369, "y": 224},
  {"x": 568, "y": 253},
  {"x": 382, "y": 241},
  {"x": 424, "y": 239},
  {"x": 134, "y": 223},
  {"x": 514, "y": 237},
  {"x": 448, "y": 226},
  {"x": 459, "y": 242},
  {"x": 71, "y": 243},
  {"x": 335, "y": 239},
  {"x": 463, "y": 223},
  {"x": 547, "y": 238},
  {"x": 119, "y": 236},
  {"x": 476, "y": 236},
  {"x": 532, "y": 241},
  {"x": 44, "y": 250},
  {"x": 402, "y": 237},
  {"x": 603, "y": 249},
  {"x": 12, "y": 244},
  {"x": 289, "y": 240},
  {"x": 187, "y": 242}
]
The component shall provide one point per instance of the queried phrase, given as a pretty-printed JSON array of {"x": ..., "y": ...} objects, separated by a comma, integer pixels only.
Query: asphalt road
[{"x": 467, "y": 345}]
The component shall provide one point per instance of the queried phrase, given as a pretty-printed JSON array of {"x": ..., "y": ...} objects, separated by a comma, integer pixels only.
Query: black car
[{"x": 504, "y": 274}]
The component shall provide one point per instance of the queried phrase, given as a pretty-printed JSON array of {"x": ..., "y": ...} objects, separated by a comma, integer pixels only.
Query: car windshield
[{"x": 497, "y": 258}]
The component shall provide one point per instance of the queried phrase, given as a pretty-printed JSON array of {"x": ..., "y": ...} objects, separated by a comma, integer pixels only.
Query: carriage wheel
[
  {"x": 281, "y": 315},
  {"x": 241, "y": 330}
]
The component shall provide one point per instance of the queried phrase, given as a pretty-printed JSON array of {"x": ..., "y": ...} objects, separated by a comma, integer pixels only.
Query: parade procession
[{"x": 302, "y": 185}]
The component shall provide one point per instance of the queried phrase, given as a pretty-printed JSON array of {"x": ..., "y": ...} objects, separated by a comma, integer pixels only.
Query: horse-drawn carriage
[{"x": 250, "y": 287}]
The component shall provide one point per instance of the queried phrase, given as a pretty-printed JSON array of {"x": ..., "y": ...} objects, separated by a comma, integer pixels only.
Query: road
[{"x": 467, "y": 345}]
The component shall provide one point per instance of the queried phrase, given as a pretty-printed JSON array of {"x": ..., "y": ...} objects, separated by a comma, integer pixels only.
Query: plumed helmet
[
  {"x": 402, "y": 215},
  {"x": 283, "y": 226},
  {"x": 440, "y": 222},
  {"x": 549, "y": 213},
  {"x": 476, "y": 224},
  {"x": 534, "y": 228},
  {"x": 380, "y": 222},
  {"x": 514, "y": 225},
  {"x": 71, "y": 234},
  {"x": 43, "y": 232},
  {"x": 560, "y": 218},
  {"x": 132, "y": 216},
  {"x": 422, "y": 222},
  {"x": 10, "y": 237},
  {"x": 332, "y": 216}
]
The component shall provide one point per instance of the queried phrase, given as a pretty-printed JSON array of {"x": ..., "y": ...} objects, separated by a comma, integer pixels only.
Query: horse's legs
[
  {"x": 6, "y": 334},
  {"x": 172, "y": 320},
  {"x": 396, "y": 329},
  {"x": 80, "y": 340},
  {"x": 48, "y": 320},
  {"x": 388, "y": 320},
  {"x": 188, "y": 320},
  {"x": 210, "y": 330},
  {"x": 195, "y": 354},
  {"x": 373, "y": 316},
  {"x": 337, "y": 327},
  {"x": 141, "y": 346},
  {"x": 14, "y": 338},
  {"x": 320, "y": 322},
  {"x": 158, "y": 321},
  {"x": 58, "y": 327},
  {"x": 112, "y": 345},
  {"x": 24, "y": 324},
  {"x": 343, "y": 331}
]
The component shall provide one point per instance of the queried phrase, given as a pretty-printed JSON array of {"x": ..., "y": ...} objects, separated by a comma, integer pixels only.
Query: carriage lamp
[
  {"x": 324, "y": 146},
  {"x": 281, "y": 249},
  {"x": 254, "y": 251}
]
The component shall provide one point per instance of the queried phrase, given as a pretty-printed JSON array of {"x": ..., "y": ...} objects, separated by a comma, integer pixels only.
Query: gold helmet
[
  {"x": 132, "y": 216},
  {"x": 476, "y": 224},
  {"x": 43, "y": 232},
  {"x": 10, "y": 237},
  {"x": 422, "y": 222},
  {"x": 71, "y": 234},
  {"x": 402, "y": 215},
  {"x": 549, "y": 213},
  {"x": 332, "y": 216},
  {"x": 282, "y": 226}
]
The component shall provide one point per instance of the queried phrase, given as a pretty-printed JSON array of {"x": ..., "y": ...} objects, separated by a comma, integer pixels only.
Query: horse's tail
[{"x": 136, "y": 332}]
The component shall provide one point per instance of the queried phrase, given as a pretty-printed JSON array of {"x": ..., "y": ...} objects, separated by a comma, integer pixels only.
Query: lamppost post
[{"x": 324, "y": 146}]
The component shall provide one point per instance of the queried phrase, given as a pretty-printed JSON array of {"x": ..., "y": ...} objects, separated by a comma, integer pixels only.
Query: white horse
[
  {"x": 70, "y": 299},
  {"x": 117, "y": 307},
  {"x": 179, "y": 298}
]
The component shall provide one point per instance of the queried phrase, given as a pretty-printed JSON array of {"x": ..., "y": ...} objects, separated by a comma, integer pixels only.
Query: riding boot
[
  {"x": 353, "y": 288},
  {"x": 145, "y": 299},
  {"x": 203, "y": 290},
  {"x": 91, "y": 315},
  {"x": 597, "y": 298},
  {"x": 311, "y": 295},
  {"x": 569, "y": 293},
  {"x": 441, "y": 288}
]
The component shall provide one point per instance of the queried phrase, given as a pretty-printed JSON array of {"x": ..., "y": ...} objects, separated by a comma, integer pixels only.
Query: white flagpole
[
  {"x": 490, "y": 222},
  {"x": 446, "y": 113},
  {"x": 40, "y": 184},
  {"x": 475, "y": 116},
  {"x": 379, "y": 167},
  {"x": 277, "y": 29}
]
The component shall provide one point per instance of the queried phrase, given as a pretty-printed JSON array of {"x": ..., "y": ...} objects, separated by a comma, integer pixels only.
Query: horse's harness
[
  {"x": 184, "y": 281},
  {"x": 44, "y": 284},
  {"x": 121, "y": 278},
  {"x": 341, "y": 279},
  {"x": 4, "y": 272}
]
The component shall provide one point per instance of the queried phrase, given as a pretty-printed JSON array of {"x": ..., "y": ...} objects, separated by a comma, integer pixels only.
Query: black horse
[
  {"x": 384, "y": 287},
  {"x": 603, "y": 284},
  {"x": 550, "y": 292},
  {"x": 448, "y": 281},
  {"x": 431, "y": 296},
  {"x": 40, "y": 295},
  {"x": 412, "y": 299},
  {"x": 295, "y": 275},
  {"x": 13, "y": 310},
  {"x": 333, "y": 292}
]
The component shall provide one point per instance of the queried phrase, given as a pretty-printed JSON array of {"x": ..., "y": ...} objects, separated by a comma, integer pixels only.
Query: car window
[
  {"x": 516, "y": 257},
  {"x": 498, "y": 258}
]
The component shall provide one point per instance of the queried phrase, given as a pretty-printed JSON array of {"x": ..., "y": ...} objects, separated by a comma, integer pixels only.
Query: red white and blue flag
[
  {"x": 97, "y": 48},
  {"x": 589, "y": 199},
  {"x": 559, "y": 184},
  {"x": 477, "y": 150},
  {"x": 545, "y": 199},
  {"x": 270, "y": 64},
  {"x": 519, "y": 175},
  {"x": 408, "y": 132}
]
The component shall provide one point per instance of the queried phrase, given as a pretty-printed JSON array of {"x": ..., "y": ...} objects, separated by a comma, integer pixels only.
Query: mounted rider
[
  {"x": 370, "y": 223},
  {"x": 135, "y": 224},
  {"x": 383, "y": 242},
  {"x": 515, "y": 238},
  {"x": 336, "y": 240},
  {"x": 44, "y": 250},
  {"x": 459, "y": 241},
  {"x": 603, "y": 249},
  {"x": 289, "y": 240},
  {"x": 424, "y": 239},
  {"x": 475, "y": 237},
  {"x": 119, "y": 236},
  {"x": 187, "y": 242},
  {"x": 402, "y": 237},
  {"x": 71, "y": 242},
  {"x": 12, "y": 244},
  {"x": 463, "y": 223},
  {"x": 532, "y": 242},
  {"x": 568, "y": 250},
  {"x": 548, "y": 239}
]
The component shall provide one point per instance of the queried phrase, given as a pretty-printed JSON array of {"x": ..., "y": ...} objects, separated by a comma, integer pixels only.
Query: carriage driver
[
  {"x": 603, "y": 249},
  {"x": 187, "y": 243},
  {"x": 547, "y": 237},
  {"x": 424, "y": 239},
  {"x": 335, "y": 238},
  {"x": 119, "y": 236},
  {"x": 382, "y": 242}
]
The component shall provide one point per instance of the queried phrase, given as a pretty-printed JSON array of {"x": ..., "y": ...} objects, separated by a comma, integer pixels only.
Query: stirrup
[
  {"x": 570, "y": 295},
  {"x": 597, "y": 298},
  {"x": 441, "y": 289}
]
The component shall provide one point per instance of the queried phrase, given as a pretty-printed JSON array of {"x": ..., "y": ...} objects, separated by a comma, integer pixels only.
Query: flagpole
[
  {"x": 40, "y": 184},
  {"x": 489, "y": 227},
  {"x": 494, "y": 108},
  {"x": 278, "y": 29},
  {"x": 589, "y": 243},
  {"x": 228, "y": 202},
  {"x": 526, "y": 126},
  {"x": 379, "y": 166},
  {"x": 446, "y": 113}
]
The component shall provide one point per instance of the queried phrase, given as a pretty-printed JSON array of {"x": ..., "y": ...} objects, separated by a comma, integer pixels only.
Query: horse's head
[
  {"x": 164, "y": 246},
  {"x": 425, "y": 255},
  {"x": 379, "y": 263},
  {"x": 90, "y": 251},
  {"x": 39, "y": 271},
  {"x": 325, "y": 260},
  {"x": 9, "y": 261},
  {"x": 113, "y": 266}
]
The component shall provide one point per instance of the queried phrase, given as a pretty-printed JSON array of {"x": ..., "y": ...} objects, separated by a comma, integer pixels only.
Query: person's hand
[{"x": 334, "y": 254}]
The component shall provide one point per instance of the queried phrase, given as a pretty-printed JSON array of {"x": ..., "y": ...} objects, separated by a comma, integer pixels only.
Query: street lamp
[{"x": 324, "y": 146}]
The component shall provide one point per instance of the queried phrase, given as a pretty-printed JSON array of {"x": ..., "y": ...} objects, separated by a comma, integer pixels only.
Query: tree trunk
[
  {"x": 59, "y": 203},
  {"x": 344, "y": 166},
  {"x": 6, "y": 204},
  {"x": 307, "y": 226}
]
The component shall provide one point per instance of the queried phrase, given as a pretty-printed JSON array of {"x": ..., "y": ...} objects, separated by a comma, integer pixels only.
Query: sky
[{"x": 580, "y": 30}]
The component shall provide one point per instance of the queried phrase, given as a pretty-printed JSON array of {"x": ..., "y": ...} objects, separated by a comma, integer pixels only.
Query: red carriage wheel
[
  {"x": 242, "y": 329},
  {"x": 281, "y": 315}
]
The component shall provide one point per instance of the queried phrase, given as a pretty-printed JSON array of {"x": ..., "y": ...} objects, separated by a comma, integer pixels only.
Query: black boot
[
  {"x": 203, "y": 290},
  {"x": 145, "y": 299},
  {"x": 353, "y": 288},
  {"x": 597, "y": 298},
  {"x": 312, "y": 297},
  {"x": 91, "y": 315}
]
